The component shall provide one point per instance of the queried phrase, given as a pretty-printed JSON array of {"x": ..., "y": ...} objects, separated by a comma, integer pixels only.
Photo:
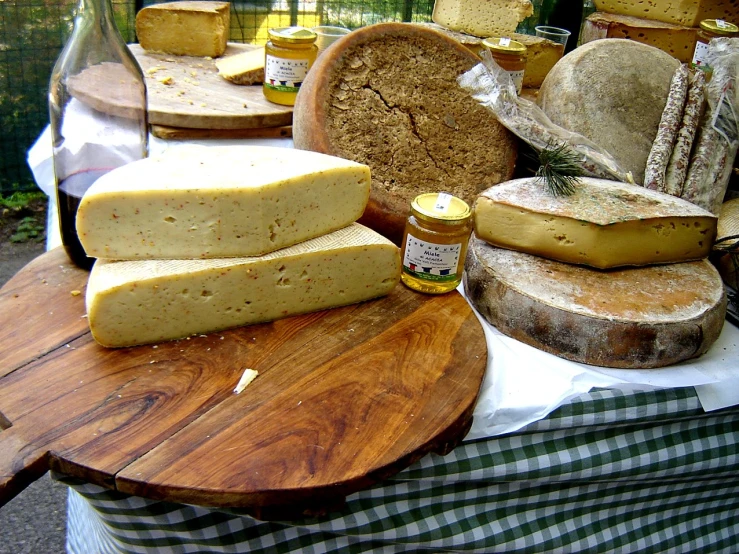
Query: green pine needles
[{"x": 559, "y": 168}]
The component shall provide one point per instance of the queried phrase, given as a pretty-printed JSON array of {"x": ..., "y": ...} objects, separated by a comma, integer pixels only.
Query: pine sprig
[{"x": 559, "y": 168}]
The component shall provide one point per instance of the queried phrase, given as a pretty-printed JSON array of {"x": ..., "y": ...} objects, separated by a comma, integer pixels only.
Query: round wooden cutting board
[{"x": 343, "y": 398}]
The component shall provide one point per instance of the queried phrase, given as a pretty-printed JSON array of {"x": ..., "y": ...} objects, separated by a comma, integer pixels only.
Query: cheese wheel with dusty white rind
[
  {"x": 630, "y": 318},
  {"x": 386, "y": 95}
]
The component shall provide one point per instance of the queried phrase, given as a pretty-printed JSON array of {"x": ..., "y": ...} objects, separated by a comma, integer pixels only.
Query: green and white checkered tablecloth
[{"x": 610, "y": 471}]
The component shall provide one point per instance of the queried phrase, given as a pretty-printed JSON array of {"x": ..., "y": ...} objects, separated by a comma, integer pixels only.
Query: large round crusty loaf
[
  {"x": 631, "y": 318},
  {"x": 612, "y": 91},
  {"x": 387, "y": 96}
]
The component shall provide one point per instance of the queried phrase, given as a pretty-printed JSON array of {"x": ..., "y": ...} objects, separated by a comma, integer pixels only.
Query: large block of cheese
[
  {"x": 482, "y": 18},
  {"x": 684, "y": 12},
  {"x": 186, "y": 28},
  {"x": 631, "y": 318},
  {"x": 145, "y": 301},
  {"x": 210, "y": 202},
  {"x": 676, "y": 40},
  {"x": 604, "y": 224}
]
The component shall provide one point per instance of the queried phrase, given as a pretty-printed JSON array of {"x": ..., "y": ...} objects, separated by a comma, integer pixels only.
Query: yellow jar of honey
[
  {"x": 509, "y": 55},
  {"x": 710, "y": 28},
  {"x": 288, "y": 55},
  {"x": 435, "y": 243}
]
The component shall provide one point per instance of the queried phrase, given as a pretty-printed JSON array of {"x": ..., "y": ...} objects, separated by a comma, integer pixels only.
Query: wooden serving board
[
  {"x": 344, "y": 398},
  {"x": 196, "y": 97}
]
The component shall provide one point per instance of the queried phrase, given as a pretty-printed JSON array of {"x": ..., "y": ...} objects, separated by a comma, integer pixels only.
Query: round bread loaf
[
  {"x": 387, "y": 96},
  {"x": 612, "y": 91},
  {"x": 632, "y": 318}
]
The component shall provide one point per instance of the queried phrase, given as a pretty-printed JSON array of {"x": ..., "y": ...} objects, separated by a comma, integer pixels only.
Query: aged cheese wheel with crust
[
  {"x": 632, "y": 318},
  {"x": 612, "y": 91},
  {"x": 386, "y": 95}
]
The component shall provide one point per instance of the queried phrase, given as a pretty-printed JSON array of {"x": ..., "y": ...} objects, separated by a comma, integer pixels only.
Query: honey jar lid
[
  {"x": 293, "y": 35},
  {"x": 504, "y": 44},
  {"x": 719, "y": 26},
  {"x": 440, "y": 207}
]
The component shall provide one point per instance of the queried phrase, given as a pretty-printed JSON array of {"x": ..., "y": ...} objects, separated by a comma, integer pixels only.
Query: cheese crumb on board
[
  {"x": 246, "y": 378},
  {"x": 605, "y": 224},
  {"x": 140, "y": 302},
  {"x": 482, "y": 18},
  {"x": 186, "y": 28},
  {"x": 211, "y": 202},
  {"x": 246, "y": 68}
]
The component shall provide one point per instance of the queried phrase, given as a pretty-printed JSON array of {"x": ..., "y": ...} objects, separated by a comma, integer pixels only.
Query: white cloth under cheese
[
  {"x": 147, "y": 301},
  {"x": 194, "y": 202}
]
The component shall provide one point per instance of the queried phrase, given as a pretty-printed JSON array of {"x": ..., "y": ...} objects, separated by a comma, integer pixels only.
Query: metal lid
[
  {"x": 293, "y": 35},
  {"x": 719, "y": 26},
  {"x": 440, "y": 207},
  {"x": 505, "y": 45}
]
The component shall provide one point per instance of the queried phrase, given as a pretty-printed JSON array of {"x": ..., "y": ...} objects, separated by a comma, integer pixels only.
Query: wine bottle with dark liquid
[{"x": 97, "y": 110}]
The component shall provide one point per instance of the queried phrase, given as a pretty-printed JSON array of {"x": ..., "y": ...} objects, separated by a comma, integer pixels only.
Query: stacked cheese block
[
  {"x": 670, "y": 26},
  {"x": 203, "y": 239},
  {"x": 614, "y": 275}
]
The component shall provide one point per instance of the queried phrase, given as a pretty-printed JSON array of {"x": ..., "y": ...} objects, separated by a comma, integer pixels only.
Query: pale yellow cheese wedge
[
  {"x": 211, "y": 202},
  {"x": 604, "y": 224},
  {"x": 246, "y": 68},
  {"x": 139, "y": 302}
]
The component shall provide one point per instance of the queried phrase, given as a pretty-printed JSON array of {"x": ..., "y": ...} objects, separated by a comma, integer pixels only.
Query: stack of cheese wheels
[
  {"x": 386, "y": 95},
  {"x": 614, "y": 275},
  {"x": 202, "y": 239}
]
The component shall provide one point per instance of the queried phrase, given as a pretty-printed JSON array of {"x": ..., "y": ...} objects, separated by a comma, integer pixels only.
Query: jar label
[
  {"x": 700, "y": 56},
  {"x": 517, "y": 77},
  {"x": 430, "y": 261},
  {"x": 283, "y": 74}
]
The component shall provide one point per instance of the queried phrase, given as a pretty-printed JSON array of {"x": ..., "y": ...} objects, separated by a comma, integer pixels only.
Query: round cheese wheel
[
  {"x": 612, "y": 91},
  {"x": 386, "y": 95},
  {"x": 632, "y": 318}
]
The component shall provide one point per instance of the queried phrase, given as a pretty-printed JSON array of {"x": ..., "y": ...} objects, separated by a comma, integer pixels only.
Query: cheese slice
[
  {"x": 147, "y": 301},
  {"x": 630, "y": 318},
  {"x": 210, "y": 202},
  {"x": 185, "y": 28},
  {"x": 246, "y": 68},
  {"x": 604, "y": 224}
]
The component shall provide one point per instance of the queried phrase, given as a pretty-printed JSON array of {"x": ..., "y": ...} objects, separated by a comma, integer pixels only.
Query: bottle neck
[{"x": 98, "y": 12}]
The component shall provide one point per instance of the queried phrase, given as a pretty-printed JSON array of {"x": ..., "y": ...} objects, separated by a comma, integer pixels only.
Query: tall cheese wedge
[
  {"x": 198, "y": 202},
  {"x": 483, "y": 18},
  {"x": 185, "y": 28},
  {"x": 604, "y": 224},
  {"x": 644, "y": 317},
  {"x": 139, "y": 302}
]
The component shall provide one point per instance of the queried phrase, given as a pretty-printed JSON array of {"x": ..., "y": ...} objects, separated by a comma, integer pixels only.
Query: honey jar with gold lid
[
  {"x": 288, "y": 55},
  {"x": 435, "y": 242},
  {"x": 709, "y": 29},
  {"x": 509, "y": 55}
]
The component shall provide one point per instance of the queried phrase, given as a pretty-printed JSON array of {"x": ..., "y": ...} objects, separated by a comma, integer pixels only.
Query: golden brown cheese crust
[{"x": 386, "y": 95}]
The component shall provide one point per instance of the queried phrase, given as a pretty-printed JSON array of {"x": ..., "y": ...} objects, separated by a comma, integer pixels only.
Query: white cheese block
[
  {"x": 211, "y": 202},
  {"x": 246, "y": 68},
  {"x": 630, "y": 318},
  {"x": 604, "y": 224},
  {"x": 147, "y": 301},
  {"x": 185, "y": 28},
  {"x": 482, "y": 18}
]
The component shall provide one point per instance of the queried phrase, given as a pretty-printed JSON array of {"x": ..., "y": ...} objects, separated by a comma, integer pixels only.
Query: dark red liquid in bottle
[{"x": 69, "y": 195}]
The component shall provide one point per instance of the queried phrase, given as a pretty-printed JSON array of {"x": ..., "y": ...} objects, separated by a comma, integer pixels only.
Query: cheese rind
[
  {"x": 185, "y": 28},
  {"x": 629, "y": 318},
  {"x": 483, "y": 18},
  {"x": 140, "y": 302},
  {"x": 604, "y": 224},
  {"x": 676, "y": 40},
  {"x": 210, "y": 202},
  {"x": 246, "y": 68},
  {"x": 685, "y": 12}
]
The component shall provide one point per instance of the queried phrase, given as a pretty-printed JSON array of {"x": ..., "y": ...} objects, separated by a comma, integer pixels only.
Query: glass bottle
[
  {"x": 289, "y": 54},
  {"x": 97, "y": 111}
]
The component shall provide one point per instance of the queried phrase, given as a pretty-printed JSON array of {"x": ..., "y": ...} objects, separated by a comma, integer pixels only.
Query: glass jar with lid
[
  {"x": 709, "y": 29},
  {"x": 289, "y": 54},
  {"x": 435, "y": 242},
  {"x": 509, "y": 55}
]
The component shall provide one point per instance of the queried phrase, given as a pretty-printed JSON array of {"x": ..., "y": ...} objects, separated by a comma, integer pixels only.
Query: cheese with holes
[
  {"x": 686, "y": 12},
  {"x": 185, "y": 28},
  {"x": 630, "y": 318},
  {"x": 211, "y": 202},
  {"x": 676, "y": 40},
  {"x": 604, "y": 224},
  {"x": 246, "y": 68},
  {"x": 482, "y": 18},
  {"x": 147, "y": 301}
]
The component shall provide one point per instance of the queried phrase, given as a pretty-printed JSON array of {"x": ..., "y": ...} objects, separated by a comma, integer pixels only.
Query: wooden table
[{"x": 344, "y": 398}]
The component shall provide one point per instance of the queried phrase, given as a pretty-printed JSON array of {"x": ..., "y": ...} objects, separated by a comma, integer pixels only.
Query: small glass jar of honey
[
  {"x": 509, "y": 55},
  {"x": 288, "y": 55},
  {"x": 435, "y": 243},
  {"x": 710, "y": 28}
]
